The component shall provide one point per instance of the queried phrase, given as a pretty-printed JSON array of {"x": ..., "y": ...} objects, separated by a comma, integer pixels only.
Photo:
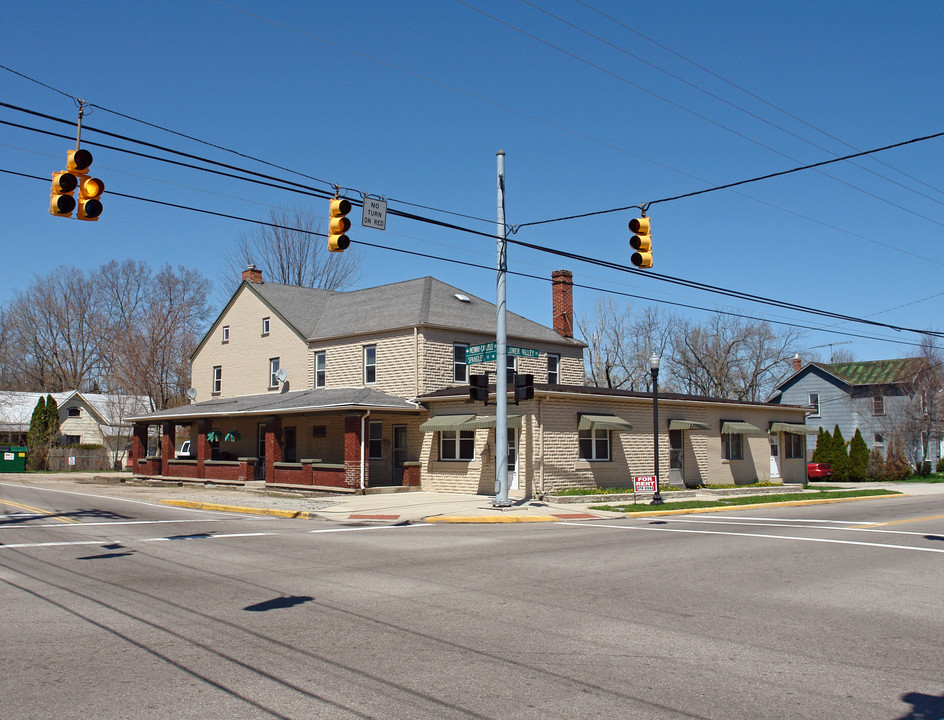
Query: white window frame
[
  {"x": 370, "y": 366},
  {"x": 460, "y": 371},
  {"x": 217, "y": 381},
  {"x": 321, "y": 369},
  {"x": 266, "y": 326},
  {"x": 273, "y": 371},
  {"x": 375, "y": 440},
  {"x": 732, "y": 449},
  {"x": 815, "y": 404},
  {"x": 226, "y": 333},
  {"x": 453, "y": 443},
  {"x": 553, "y": 375},
  {"x": 599, "y": 439}
]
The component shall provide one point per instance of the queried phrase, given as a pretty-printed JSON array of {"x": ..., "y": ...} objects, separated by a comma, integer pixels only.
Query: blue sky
[{"x": 412, "y": 102}]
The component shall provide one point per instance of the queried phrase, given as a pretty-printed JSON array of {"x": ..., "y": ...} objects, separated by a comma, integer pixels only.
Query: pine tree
[
  {"x": 858, "y": 458},
  {"x": 52, "y": 421},
  {"x": 824, "y": 444},
  {"x": 36, "y": 438},
  {"x": 839, "y": 457},
  {"x": 897, "y": 467},
  {"x": 876, "y": 467}
]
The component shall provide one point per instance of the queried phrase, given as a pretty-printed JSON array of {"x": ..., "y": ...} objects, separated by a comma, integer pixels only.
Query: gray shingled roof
[
  {"x": 323, "y": 314},
  {"x": 281, "y": 403}
]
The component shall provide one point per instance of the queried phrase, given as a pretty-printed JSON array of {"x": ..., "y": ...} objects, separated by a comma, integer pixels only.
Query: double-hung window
[
  {"x": 457, "y": 445},
  {"x": 459, "y": 373},
  {"x": 594, "y": 444},
  {"x": 732, "y": 446},
  {"x": 553, "y": 369},
  {"x": 878, "y": 405},
  {"x": 370, "y": 364},
  {"x": 217, "y": 379},
  {"x": 814, "y": 401},
  {"x": 273, "y": 372},
  {"x": 226, "y": 333},
  {"x": 265, "y": 326},
  {"x": 320, "y": 369},
  {"x": 375, "y": 441}
]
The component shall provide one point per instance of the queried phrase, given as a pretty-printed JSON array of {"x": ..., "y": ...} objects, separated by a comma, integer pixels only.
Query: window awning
[
  {"x": 480, "y": 422},
  {"x": 602, "y": 422},
  {"x": 737, "y": 427},
  {"x": 687, "y": 425},
  {"x": 444, "y": 422},
  {"x": 794, "y": 428}
]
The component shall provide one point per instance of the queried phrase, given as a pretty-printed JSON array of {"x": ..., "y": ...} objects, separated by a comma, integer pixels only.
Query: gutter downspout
[{"x": 363, "y": 443}]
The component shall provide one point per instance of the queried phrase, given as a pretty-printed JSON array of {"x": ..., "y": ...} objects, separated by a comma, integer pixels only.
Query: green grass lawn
[{"x": 743, "y": 500}]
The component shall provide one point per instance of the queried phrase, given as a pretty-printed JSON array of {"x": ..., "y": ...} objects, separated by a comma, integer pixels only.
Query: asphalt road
[{"x": 120, "y": 609}]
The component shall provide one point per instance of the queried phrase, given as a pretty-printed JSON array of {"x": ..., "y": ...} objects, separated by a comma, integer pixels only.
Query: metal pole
[
  {"x": 501, "y": 348},
  {"x": 657, "y": 496}
]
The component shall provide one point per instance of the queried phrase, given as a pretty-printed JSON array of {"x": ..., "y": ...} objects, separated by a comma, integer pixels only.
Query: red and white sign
[{"x": 644, "y": 483}]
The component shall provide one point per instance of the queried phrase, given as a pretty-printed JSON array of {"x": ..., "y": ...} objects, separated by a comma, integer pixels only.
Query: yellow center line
[
  {"x": 39, "y": 511},
  {"x": 894, "y": 522}
]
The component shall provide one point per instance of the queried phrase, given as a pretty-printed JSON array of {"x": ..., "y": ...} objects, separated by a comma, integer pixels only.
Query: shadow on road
[
  {"x": 924, "y": 707},
  {"x": 278, "y": 603}
]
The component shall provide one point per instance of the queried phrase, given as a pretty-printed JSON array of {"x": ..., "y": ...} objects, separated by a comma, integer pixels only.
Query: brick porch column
[
  {"x": 352, "y": 453},
  {"x": 273, "y": 446},
  {"x": 138, "y": 445},
  {"x": 168, "y": 440},
  {"x": 203, "y": 447}
]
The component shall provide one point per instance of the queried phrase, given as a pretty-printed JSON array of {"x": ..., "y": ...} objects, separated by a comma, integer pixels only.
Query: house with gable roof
[
  {"x": 348, "y": 390},
  {"x": 864, "y": 396}
]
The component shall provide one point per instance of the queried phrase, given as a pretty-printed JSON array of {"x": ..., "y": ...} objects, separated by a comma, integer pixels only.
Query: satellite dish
[
  {"x": 280, "y": 374},
  {"x": 191, "y": 393}
]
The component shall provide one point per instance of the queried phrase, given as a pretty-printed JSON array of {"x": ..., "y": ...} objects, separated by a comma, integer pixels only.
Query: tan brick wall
[
  {"x": 396, "y": 364},
  {"x": 245, "y": 358}
]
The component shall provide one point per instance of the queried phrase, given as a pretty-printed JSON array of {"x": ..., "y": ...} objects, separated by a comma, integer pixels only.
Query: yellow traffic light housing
[
  {"x": 89, "y": 207},
  {"x": 79, "y": 162},
  {"x": 641, "y": 242},
  {"x": 61, "y": 202},
  {"x": 338, "y": 241}
]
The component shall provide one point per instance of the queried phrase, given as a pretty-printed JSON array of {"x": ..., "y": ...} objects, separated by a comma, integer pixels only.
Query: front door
[
  {"x": 512, "y": 459},
  {"x": 774, "y": 456},
  {"x": 399, "y": 453},
  {"x": 676, "y": 459}
]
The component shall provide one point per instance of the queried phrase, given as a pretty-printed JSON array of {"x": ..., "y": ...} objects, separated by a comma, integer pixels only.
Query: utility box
[{"x": 12, "y": 459}]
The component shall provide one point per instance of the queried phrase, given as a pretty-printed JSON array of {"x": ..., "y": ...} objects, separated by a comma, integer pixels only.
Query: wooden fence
[{"x": 78, "y": 460}]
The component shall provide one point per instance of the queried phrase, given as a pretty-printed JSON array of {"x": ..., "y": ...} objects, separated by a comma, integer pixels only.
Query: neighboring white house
[{"x": 84, "y": 418}]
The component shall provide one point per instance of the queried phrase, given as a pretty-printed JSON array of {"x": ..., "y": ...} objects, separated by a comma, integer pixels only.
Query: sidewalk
[{"x": 381, "y": 507}]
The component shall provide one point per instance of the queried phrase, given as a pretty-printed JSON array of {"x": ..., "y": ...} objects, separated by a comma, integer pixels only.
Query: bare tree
[
  {"x": 55, "y": 338},
  {"x": 288, "y": 252}
]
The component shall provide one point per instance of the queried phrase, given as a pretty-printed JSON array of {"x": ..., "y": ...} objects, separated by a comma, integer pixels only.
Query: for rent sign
[{"x": 644, "y": 483}]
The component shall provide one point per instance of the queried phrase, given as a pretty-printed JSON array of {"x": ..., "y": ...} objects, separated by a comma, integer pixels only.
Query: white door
[
  {"x": 774, "y": 456},
  {"x": 512, "y": 459}
]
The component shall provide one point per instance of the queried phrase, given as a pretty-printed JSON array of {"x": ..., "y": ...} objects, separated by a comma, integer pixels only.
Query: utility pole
[{"x": 501, "y": 349}]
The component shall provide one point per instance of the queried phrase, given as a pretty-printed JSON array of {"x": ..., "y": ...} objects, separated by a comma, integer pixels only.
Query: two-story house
[
  {"x": 356, "y": 389},
  {"x": 867, "y": 396}
]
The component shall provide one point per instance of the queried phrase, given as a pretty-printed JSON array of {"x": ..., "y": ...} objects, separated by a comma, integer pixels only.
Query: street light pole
[{"x": 654, "y": 369}]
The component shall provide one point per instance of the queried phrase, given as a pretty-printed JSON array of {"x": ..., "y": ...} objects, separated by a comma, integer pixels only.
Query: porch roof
[
  {"x": 795, "y": 428},
  {"x": 321, "y": 400}
]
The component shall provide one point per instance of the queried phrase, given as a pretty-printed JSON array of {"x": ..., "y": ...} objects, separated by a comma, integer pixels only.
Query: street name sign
[{"x": 486, "y": 353}]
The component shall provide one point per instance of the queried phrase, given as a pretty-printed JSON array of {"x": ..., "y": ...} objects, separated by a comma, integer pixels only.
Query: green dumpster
[{"x": 12, "y": 459}]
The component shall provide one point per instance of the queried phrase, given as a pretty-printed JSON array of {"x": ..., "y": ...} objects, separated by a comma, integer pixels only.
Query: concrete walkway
[{"x": 386, "y": 507}]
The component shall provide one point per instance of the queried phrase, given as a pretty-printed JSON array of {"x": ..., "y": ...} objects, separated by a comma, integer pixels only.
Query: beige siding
[
  {"x": 245, "y": 358},
  {"x": 396, "y": 363}
]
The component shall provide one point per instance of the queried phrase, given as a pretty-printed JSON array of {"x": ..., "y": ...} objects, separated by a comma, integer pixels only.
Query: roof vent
[{"x": 463, "y": 298}]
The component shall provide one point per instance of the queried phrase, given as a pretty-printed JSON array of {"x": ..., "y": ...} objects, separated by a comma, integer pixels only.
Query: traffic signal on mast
[
  {"x": 524, "y": 387},
  {"x": 89, "y": 207},
  {"x": 641, "y": 242},
  {"x": 61, "y": 202},
  {"x": 339, "y": 224},
  {"x": 478, "y": 387}
]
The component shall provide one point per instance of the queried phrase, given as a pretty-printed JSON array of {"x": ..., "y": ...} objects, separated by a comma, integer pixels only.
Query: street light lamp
[{"x": 654, "y": 369}]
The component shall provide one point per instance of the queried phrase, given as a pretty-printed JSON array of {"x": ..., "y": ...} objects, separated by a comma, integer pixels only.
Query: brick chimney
[
  {"x": 562, "y": 302},
  {"x": 252, "y": 274},
  {"x": 796, "y": 363}
]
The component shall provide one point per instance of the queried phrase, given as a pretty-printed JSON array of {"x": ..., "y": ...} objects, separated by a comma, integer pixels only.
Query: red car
[{"x": 818, "y": 471}]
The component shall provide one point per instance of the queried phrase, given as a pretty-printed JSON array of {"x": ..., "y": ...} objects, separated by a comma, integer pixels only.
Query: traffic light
[
  {"x": 79, "y": 162},
  {"x": 524, "y": 387},
  {"x": 90, "y": 207},
  {"x": 61, "y": 202},
  {"x": 339, "y": 225},
  {"x": 641, "y": 243},
  {"x": 478, "y": 387}
]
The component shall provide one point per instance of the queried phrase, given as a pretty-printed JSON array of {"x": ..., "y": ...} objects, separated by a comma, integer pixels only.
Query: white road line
[
  {"x": 81, "y": 524},
  {"x": 754, "y": 535},
  {"x": 205, "y": 537},
  {"x": 374, "y": 527},
  {"x": 108, "y": 497},
  {"x": 779, "y": 520},
  {"x": 712, "y": 521}
]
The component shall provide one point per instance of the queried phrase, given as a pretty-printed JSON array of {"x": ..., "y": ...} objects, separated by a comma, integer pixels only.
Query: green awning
[
  {"x": 602, "y": 422},
  {"x": 480, "y": 422},
  {"x": 794, "y": 428},
  {"x": 737, "y": 427},
  {"x": 445, "y": 422},
  {"x": 687, "y": 425}
]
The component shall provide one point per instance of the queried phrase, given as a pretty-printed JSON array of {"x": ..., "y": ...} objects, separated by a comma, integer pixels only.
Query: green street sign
[
  {"x": 486, "y": 353},
  {"x": 522, "y": 352}
]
